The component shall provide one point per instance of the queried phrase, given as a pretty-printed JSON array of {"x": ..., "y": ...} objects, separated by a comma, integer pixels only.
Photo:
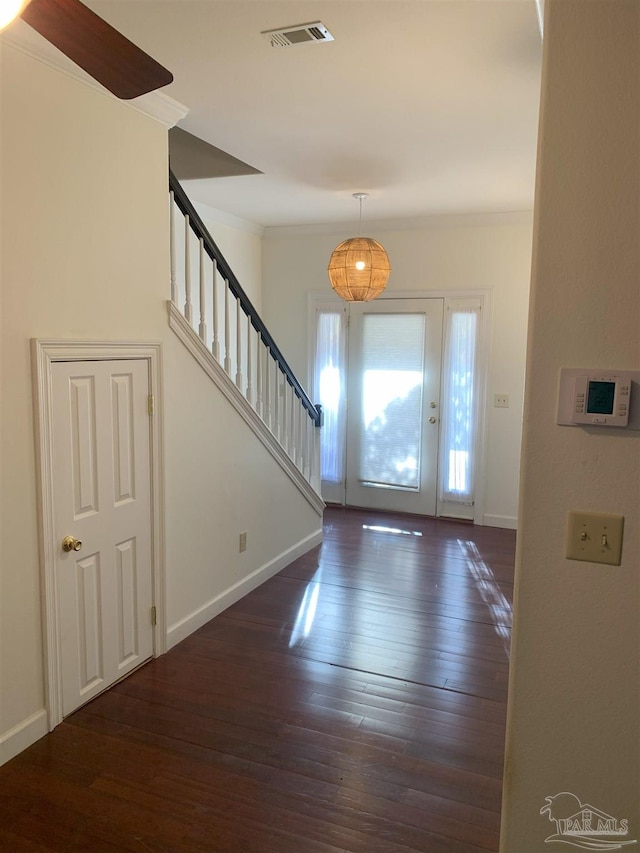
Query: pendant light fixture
[
  {"x": 9, "y": 11},
  {"x": 359, "y": 267}
]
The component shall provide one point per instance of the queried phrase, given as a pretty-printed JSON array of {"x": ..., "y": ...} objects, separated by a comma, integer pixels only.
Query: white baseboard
[
  {"x": 182, "y": 629},
  {"x": 23, "y": 735},
  {"x": 507, "y": 521}
]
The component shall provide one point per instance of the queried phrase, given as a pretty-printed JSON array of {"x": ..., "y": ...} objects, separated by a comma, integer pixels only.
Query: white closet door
[{"x": 102, "y": 500}]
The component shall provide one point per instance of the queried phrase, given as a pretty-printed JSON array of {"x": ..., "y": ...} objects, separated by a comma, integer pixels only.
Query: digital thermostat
[
  {"x": 601, "y": 400},
  {"x": 598, "y": 398}
]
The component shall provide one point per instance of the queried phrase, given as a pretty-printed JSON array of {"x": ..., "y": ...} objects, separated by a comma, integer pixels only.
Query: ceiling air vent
[{"x": 300, "y": 34}]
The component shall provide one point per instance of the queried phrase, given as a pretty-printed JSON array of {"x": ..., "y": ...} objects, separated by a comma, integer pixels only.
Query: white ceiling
[{"x": 431, "y": 106}]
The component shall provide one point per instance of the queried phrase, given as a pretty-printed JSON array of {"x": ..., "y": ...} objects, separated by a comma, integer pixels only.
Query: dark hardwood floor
[{"x": 354, "y": 702}]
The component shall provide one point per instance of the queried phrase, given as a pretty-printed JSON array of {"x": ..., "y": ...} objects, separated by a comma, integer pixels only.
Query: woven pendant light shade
[{"x": 359, "y": 269}]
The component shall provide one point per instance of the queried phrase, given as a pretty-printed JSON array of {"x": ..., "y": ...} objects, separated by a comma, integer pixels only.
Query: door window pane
[{"x": 391, "y": 417}]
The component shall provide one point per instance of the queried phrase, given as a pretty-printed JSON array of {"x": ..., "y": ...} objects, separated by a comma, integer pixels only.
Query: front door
[
  {"x": 393, "y": 414},
  {"x": 102, "y": 508}
]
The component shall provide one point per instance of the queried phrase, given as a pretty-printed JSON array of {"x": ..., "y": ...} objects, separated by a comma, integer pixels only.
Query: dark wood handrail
[{"x": 200, "y": 230}]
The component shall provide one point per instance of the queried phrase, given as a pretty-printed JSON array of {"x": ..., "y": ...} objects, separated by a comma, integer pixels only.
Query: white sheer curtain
[
  {"x": 459, "y": 406},
  {"x": 329, "y": 389}
]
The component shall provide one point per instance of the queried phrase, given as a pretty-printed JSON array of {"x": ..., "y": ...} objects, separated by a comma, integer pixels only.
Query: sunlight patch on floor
[
  {"x": 489, "y": 589},
  {"x": 307, "y": 611},
  {"x": 377, "y": 528}
]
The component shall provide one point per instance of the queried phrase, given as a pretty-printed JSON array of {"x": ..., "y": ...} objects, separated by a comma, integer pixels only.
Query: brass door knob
[{"x": 69, "y": 543}]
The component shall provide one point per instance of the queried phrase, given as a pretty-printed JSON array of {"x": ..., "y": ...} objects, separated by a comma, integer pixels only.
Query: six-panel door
[{"x": 102, "y": 498}]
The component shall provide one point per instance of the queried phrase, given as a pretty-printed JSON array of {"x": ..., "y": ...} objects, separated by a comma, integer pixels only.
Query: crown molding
[
  {"x": 161, "y": 107},
  {"x": 156, "y": 105},
  {"x": 434, "y": 221}
]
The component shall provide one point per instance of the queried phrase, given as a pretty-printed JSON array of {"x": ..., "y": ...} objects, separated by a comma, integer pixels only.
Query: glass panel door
[{"x": 394, "y": 398}]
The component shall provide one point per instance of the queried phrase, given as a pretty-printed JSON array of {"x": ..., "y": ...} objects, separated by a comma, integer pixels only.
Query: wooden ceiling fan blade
[{"x": 109, "y": 57}]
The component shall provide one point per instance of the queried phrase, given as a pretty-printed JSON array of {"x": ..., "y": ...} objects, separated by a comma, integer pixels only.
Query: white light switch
[{"x": 595, "y": 537}]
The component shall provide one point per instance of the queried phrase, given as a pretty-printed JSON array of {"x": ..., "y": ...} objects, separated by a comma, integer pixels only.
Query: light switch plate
[{"x": 595, "y": 537}]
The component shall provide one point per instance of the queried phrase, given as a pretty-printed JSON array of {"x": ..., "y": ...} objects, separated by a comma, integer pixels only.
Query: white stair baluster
[
  {"x": 304, "y": 418},
  {"x": 202, "y": 329},
  {"x": 282, "y": 401},
  {"x": 215, "y": 345},
  {"x": 238, "y": 347},
  {"x": 249, "y": 365},
  {"x": 172, "y": 246},
  {"x": 292, "y": 431},
  {"x": 312, "y": 437},
  {"x": 294, "y": 422},
  {"x": 285, "y": 416},
  {"x": 277, "y": 421},
  {"x": 278, "y": 431},
  {"x": 302, "y": 414},
  {"x": 308, "y": 445},
  {"x": 314, "y": 462},
  {"x": 296, "y": 443},
  {"x": 188, "y": 309},
  {"x": 267, "y": 389},
  {"x": 259, "y": 376},
  {"x": 227, "y": 342}
]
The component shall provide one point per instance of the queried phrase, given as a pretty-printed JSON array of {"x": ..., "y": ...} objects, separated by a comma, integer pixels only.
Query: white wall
[
  {"x": 79, "y": 177},
  {"x": 446, "y": 253},
  {"x": 85, "y": 256},
  {"x": 573, "y": 706},
  {"x": 220, "y": 482}
]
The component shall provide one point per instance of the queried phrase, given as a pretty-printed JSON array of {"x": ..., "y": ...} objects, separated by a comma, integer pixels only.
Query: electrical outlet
[
  {"x": 501, "y": 401},
  {"x": 243, "y": 541},
  {"x": 595, "y": 537}
]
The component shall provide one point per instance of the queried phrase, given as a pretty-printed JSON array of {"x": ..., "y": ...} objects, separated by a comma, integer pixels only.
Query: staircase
[{"x": 213, "y": 317}]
